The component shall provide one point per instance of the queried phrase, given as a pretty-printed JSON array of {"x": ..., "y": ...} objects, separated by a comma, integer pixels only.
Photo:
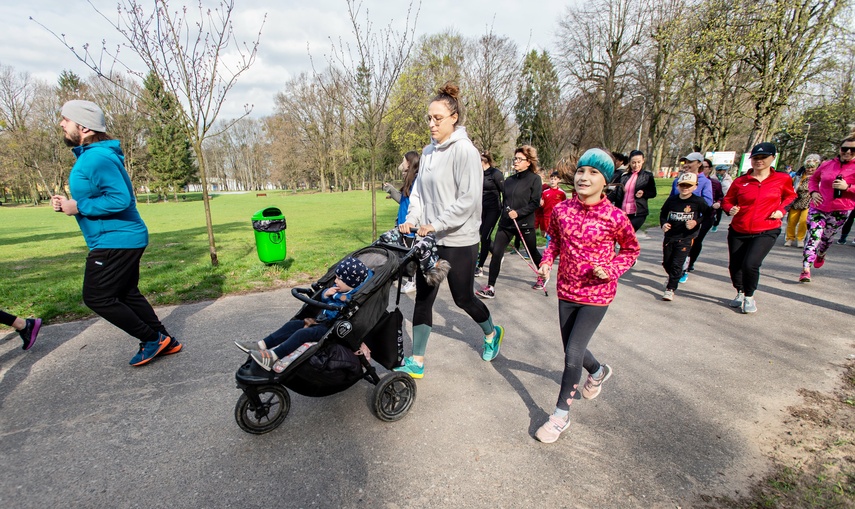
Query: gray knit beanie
[{"x": 85, "y": 113}]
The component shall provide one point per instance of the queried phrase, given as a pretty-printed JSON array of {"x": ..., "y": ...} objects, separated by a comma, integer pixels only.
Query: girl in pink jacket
[{"x": 584, "y": 230}]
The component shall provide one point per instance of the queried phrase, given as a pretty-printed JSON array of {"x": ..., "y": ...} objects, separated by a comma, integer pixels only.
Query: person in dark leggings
[
  {"x": 522, "y": 198},
  {"x": 709, "y": 219},
  {"x": 756, "y": 202},
  {"x": 847, "y": 227},
  {"x": 446, "y": 200},
  {"x": 491, "y": 207},
  {"x": 28, "y": 328},
  {"x": 588, "y": 272}
]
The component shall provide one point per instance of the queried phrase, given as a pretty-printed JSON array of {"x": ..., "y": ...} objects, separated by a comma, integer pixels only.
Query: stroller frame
[{"x": 265, "y": 402}]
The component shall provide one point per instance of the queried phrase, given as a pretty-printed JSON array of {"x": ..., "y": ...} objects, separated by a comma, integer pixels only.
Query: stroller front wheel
[
  {"x": 394, "y": 396},
  {"x": 264, "y": 410}
]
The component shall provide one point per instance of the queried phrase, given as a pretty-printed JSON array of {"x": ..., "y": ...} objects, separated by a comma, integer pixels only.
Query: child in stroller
[
  {"x": 332, "y": 362},
  {"x": 296, "y": 336}
]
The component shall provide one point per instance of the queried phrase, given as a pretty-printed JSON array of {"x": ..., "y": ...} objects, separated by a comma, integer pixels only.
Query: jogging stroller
[{"x": 331, "y": 366}]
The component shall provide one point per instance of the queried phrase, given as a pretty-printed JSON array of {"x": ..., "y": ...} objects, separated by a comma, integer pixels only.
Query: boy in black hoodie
[{"x": 680, "y": 216}]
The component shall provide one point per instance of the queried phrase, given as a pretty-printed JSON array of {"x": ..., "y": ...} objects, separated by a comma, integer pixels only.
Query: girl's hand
[
  {"x": 666, "y": 227},
  {"x": 639, "y": 194},
  {"x": 513, "y": 214},
  {"x": 776, "y": 215},
  {"x": 600, "y": 273},
  {"x": 424, "y": 230},
  {"x": 815, "y": 198},
  {"x": 733, "y": 210},
  {"x": 691, "y": 223},
  {"x": 543, "y": 271},
  {"x": 716, "y": 205}
]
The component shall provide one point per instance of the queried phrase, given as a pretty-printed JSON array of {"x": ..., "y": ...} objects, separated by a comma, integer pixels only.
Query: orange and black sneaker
[
  {"x": 149, "y": 350},
  {"x": 173, "y": 347}
]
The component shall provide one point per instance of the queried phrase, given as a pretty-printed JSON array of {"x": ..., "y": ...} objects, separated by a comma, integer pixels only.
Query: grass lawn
[{"x": 42, "y": 253}]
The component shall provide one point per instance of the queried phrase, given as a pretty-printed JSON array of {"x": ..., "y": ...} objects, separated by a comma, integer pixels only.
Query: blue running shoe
[
  {"x": 491, "y": 348},
  {"x": 412, "y": 368},
  {"x": 684, "y": 277},
  {"x": 149, "y": 350}
]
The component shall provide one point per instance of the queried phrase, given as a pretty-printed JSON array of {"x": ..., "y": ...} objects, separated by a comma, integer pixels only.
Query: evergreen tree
[
  {"x": 538, "y": 107},
  {"x": 170, "y": 160}
]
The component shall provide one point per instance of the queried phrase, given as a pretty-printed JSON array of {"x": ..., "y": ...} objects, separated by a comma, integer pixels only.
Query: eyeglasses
[
  {"x": 847, "y": 149},
  {"x": 436, "y": 120},
  {"x": 520, "y": 159}
]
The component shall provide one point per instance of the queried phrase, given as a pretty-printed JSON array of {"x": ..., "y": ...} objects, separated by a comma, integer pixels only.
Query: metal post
[
  {"x": 640, "y": 125},
  {"x": 802, "y": 153}
]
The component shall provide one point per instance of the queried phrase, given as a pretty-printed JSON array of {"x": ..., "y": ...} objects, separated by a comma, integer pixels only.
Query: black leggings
[
  {"x": 637, "y": 220},
  {"x": 847, "y": 226},
  {"x": 489, "y": 218},
  {"x": 717, "y": 216},
  {"x": 747, "y": 251},
  {"x": 503, "y": 238},
  {"x": 461, "y": 279},
  {"x": 578, "y": 323},
  {"x": 7, "y": 319},
  {"x": 110, "y": 289}
]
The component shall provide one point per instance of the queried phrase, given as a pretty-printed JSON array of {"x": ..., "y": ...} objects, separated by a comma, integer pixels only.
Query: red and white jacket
[
  {"x": 584, "y": 236},
  {"x": 758, "y": 200}
]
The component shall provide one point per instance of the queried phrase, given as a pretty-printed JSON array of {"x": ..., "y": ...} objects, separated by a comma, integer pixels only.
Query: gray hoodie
[{"x": 447, "y": 192}]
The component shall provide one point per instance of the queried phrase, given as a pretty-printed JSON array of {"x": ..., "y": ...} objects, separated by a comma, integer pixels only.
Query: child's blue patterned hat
[
  {"x": 351, "y": 271},
  {"x": 600, "y": 160}
]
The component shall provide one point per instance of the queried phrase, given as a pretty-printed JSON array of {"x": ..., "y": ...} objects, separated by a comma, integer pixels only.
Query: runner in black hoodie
[{"x": 521, "y": 199}]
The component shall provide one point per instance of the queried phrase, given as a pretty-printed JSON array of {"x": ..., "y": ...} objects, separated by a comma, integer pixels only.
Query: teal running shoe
[
  {"x": 412, "y": 368},
  {"x": 491, "y": 348}
]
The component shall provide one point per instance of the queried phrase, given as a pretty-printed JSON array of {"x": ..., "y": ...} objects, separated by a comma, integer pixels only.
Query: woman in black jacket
[
  {"x": 521, "y": 199},
  {"x": 636, "y": 187},
  {"x": 491, "y": 207}
]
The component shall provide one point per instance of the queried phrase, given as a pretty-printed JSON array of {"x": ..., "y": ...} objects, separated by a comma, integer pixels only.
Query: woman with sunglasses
[
  {"x": 756, "y": 203},
  {"x": 832, "y": 198},
  {"x": 446, "y": 201},
  {"x": 522, "y": 198}
]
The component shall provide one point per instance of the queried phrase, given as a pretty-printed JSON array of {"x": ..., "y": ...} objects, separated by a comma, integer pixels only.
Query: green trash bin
[{"x": 269, "y": 226}]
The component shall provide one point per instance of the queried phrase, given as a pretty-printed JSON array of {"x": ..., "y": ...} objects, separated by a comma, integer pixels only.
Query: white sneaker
[
  {"x": 409, "y": 287},
  {"x": 668, "y": 295},
  {"x": 789, "y": 243},
  {"x": 737, "y": 301}
]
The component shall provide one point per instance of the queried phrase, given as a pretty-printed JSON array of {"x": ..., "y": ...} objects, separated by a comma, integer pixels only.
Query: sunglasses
[{"x": 847, "y": 149}]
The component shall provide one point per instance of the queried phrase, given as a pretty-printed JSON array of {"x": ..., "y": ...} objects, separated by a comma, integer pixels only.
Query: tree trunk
[{"x": 200, "y": 157}]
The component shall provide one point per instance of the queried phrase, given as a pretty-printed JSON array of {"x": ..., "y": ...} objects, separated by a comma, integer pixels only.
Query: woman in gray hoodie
[{"x": 446, "y": 201}]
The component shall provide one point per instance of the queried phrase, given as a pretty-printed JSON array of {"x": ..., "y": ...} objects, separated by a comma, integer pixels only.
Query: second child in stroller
[{"x": 272, "y": 352}]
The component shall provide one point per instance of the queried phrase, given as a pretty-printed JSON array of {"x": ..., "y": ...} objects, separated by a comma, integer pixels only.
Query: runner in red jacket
[{"x": 756, "y": 201}]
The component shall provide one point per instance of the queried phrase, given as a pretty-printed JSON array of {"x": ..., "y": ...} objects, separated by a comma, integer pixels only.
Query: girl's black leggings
[
  {"x": 747, "y": 251},
  {"x": 578, "y": 323},
  {"x": 461, "y": 280}
]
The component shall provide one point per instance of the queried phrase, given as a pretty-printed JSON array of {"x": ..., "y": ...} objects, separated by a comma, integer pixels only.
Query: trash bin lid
[{"x": 268, "y": 213}]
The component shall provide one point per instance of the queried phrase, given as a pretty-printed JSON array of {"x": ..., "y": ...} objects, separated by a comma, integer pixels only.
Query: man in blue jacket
[{"x": 105, "y": 208}]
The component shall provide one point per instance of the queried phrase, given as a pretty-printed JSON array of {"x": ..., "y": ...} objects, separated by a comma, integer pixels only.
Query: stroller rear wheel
[
  {"x": 394, "y": 396},
  {"x": 266, "y": 413}
]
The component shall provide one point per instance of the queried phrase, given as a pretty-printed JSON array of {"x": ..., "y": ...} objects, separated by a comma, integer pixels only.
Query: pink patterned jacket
[{"x": 584, "y": 236}]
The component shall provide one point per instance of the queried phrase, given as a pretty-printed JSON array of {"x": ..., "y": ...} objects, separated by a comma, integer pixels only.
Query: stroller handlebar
[{"x": 302, "y": 294}]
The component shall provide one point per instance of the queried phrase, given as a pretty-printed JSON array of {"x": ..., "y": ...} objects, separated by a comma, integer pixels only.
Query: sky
[{"x": 293, "y": 29}]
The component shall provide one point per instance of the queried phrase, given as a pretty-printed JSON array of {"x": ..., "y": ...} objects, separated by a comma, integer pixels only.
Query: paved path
[{"x": 698, "y": 395}]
